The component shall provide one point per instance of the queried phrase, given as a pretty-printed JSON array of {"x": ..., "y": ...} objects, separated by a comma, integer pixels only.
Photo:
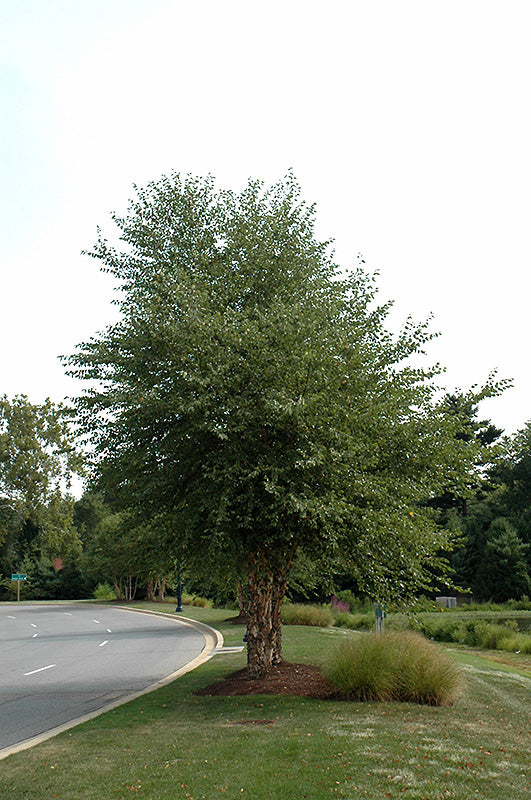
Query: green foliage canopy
[
  {"x": 252, "y": 391},
  {"x": 502, "y": 573},
  {"x": 37, "y": 462}
]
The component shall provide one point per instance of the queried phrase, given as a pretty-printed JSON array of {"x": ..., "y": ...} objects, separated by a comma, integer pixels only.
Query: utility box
[{"x": 447, "y": 602}]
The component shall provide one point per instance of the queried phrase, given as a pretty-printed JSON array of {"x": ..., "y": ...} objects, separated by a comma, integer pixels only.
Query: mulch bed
[{"x": 300, "y": 680}]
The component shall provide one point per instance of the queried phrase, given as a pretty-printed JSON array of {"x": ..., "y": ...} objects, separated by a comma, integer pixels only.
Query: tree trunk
[
  {"x": 280, "y": 582},
  {"x": 130, "y": 587},
  {"x": 266, "y": 591},
  {"x": 150, "y": 594},
  {"x": 279, "y": 590},
  {"x": 118, "y": 588},
  {"x": 259, "y": 639}
]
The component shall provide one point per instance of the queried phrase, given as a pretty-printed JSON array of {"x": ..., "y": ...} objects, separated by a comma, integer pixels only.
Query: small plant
[
  {"x": 444, "y": 628},
  {"x": 104, "y": 591},
  {"x": 301, "y": 614},
  {"x": 339, "y": 605},
  {"x": 357, "y": 603},
  {"x": 194, "y": 600},
  {"x": 394, "y": 666},
  {"x": 520, "y": 605}
]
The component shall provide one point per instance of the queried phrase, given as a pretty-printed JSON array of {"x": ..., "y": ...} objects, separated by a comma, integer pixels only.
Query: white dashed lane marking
[{"x": 41, "y": 669}]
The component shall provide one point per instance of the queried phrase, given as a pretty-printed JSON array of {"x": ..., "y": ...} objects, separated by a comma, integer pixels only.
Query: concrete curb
[{"x": 213, "y": 641}]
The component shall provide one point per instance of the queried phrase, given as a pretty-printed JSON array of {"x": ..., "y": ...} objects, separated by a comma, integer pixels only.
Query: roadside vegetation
[
  {"x": 175, "y": 745},
  {"x": 505, "y": 628}
]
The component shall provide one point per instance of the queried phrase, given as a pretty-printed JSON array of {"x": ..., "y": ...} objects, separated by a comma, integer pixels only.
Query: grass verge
[{"x": 173, "y": 745}]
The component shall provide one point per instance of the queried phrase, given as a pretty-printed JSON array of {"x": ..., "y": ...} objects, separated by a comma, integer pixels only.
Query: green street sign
[{"x": 19, "y": 577}]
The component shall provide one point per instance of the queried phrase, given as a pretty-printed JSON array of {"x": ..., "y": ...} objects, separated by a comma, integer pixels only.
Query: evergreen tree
[
  {"x": 502, "y": 573},
  {"x": 513, "y": 471}
]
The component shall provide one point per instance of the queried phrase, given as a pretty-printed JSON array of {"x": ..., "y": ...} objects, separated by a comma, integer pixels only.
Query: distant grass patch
[
  {"x": 475, "y": 632},
  {"x": 302, "y": 614},
  {"x": 354, "y": 622},
  {"x": 394, "y": 666},
  {"x": 524, "y": 604}
]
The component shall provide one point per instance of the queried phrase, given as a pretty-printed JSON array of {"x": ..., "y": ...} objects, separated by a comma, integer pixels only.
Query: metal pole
[{"x": 179, "y": 590}]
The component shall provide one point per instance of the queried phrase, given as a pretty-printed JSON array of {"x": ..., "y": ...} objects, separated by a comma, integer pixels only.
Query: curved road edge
[{"x": 213, "y": 641}]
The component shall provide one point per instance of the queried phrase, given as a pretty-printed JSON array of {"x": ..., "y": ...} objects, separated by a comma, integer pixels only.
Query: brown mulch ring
[{"x": 300, "y": 680}]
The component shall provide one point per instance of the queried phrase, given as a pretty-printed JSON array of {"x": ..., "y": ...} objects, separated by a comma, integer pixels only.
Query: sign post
[
  {"x": 18, "y": 577},
  {"x": 379, "y": 618}
]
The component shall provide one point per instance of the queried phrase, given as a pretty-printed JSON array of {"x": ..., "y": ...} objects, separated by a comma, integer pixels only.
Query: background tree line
[
  {"x": 97, "y": 544},
  {"x": 493, "y": 559}
]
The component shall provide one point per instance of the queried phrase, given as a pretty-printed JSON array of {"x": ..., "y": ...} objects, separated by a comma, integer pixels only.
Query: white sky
[{"x": 406, "y": 121}]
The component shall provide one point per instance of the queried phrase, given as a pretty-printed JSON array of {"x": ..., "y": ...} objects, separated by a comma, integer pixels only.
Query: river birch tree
[{"x": 252, "y": 391}]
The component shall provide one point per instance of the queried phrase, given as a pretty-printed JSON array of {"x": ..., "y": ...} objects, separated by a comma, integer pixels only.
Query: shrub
[
  {"x": 394, "y": 666},
  {"x": 302, "y": 614},
  {"x": 357, "y": 603},
  {"x": 339, "y": 606},
  {"x": 194, "y": 600},
  {"x": 104, "y": 591},
  {"x": 520, "y": 605},
  {"x": 443, "y": 628},
  {"x": 489, "y": 637}
]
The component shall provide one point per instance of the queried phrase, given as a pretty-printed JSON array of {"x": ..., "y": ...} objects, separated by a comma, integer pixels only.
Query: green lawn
[{"x": 173, "y": 745}]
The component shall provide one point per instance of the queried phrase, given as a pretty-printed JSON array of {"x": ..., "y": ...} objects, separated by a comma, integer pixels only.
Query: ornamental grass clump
[
  {"x": 302, "y": 614},
  {"x": 394, "y": 666}
]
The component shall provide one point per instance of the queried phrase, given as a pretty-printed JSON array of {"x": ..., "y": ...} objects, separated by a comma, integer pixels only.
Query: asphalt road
[{"x": 59, "y": 662}]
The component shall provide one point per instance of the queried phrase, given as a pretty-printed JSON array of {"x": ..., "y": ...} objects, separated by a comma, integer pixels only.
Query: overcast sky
[{"x": 406, "y": 121}]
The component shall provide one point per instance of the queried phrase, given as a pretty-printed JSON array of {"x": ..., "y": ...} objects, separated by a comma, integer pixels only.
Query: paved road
[{"x": 59, "y": 662}]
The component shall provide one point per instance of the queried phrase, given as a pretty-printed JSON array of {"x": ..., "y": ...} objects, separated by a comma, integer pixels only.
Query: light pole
[{"x": 179, "y": 589}]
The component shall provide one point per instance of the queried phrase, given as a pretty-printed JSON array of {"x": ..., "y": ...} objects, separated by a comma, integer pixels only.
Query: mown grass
[{"x": 174, "y": 745}]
